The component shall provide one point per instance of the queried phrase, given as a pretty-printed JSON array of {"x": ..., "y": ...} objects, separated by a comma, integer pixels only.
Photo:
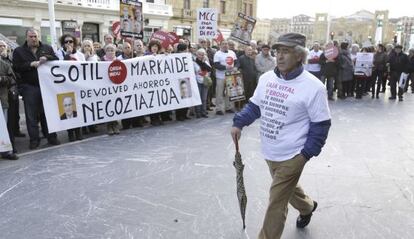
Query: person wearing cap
[
  {"x": 264, "y": 61},
  {"x": 295, "y": 120},
  {"x": 398, "y": 63}
]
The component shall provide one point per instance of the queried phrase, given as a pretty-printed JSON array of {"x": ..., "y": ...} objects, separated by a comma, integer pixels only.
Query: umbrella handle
[{"x": 236, "y": 143}]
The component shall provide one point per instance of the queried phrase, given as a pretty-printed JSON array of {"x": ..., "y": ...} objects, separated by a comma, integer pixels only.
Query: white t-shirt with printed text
[
  {"x": 314, "y": 55},
  {"x": 226, "y": 59},
  {"x": 287, "y": 107}
]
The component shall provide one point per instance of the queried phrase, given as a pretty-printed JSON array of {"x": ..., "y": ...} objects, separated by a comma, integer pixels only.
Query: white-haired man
[{"x": 295, "y": 119}]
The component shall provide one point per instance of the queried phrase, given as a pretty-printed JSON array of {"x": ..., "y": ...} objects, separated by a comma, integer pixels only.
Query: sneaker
[
  {"x": 400, "y": 99},
  {"x": 303, "y": 221},
  {"x": 230, "y": 111},
  {"x": 219, "y": 113},
  {"x": 53, "y": 141}
]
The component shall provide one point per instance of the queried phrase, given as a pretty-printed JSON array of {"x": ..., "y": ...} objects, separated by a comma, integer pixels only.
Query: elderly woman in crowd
[
  {"x": 69, "y": 52},
  {"x": 88, "y": 50},
  {"x": 110, "y": 51},
  {"x": 202, "y": 71}
]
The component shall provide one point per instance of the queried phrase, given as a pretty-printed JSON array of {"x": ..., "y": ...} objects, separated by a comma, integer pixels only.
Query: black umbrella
[{"x": 241, "y": 191}]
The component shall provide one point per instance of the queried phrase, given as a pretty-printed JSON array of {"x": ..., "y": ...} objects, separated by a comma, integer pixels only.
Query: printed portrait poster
[
  {"x": 206, "y": 23},
  {"x": 77, "y": 94},
  {"x": 234, "y": 86},
  {"x": 5, "y": 144},
  {"x": 243, "y": 29},
  {"x": 364, "y": 63},
  {"x": 131, "y": 19}
]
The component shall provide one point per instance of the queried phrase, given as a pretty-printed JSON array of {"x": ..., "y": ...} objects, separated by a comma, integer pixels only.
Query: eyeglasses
[
  {"x": 68, "y": 41},
  {"x": 2, "y": 45}
]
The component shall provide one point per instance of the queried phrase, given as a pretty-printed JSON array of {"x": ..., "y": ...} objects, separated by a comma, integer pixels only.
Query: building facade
[
  {"x": 184, "y": 21},
  {"x": 261, "y": 31},
  {"x": 303, "y": 24},
  {"x": 84, "y": 18},
  {"x": 278, "y": 26}
]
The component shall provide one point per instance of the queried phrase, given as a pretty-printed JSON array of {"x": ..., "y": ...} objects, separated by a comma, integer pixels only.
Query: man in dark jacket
[
  {"x": 26, "y": 59},
  {"x": 249, "y": 72},
  {"x": 410, "y": 70},
  {"x": 398, "y": 62},
  {"x": 329, "y": 70}
]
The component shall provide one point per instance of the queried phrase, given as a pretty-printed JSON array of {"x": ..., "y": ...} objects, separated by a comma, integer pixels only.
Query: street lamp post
[{"x": 52, "y": 24}]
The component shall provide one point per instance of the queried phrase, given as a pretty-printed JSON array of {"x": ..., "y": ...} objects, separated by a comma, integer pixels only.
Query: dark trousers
[
  {"x": 33, "y": 108},
  {"x": 347, "y": 88},
  {"x": 13, "y": 116},
  {"x": 377, "y": 79},
  {"x": 394, "y": 80},
  {"x": 359, "y": 87}
]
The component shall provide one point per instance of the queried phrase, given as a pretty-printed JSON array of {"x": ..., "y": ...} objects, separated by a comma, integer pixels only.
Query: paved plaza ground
[{"x": 177, "y": 181}]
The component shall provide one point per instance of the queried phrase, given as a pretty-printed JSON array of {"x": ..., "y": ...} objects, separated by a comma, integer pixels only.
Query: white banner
[
  {"x": 206, "y": 23},
  {"x": 5, "y": 144},
  {"x": 77, "y": 94},
  {"x": 364, "y": 63}
]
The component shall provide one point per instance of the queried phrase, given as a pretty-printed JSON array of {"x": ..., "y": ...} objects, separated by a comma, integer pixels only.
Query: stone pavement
[{"x": 177, "y": 181}]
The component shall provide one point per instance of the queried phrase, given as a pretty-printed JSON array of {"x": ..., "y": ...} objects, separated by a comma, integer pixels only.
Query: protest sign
[
  {"x": 5, "y": 144},
  {"x": 243, "y": 28},
  {"x": 132, "y": 21},
  {"x": 165, "y": 38},
  {"x": 206, "y": 23},
  {"x": 77, "y": 94},
  {"x": 331, "y": 51},
  {"x": 364, "y": 63},
  {"x": 234, "y": 86}
]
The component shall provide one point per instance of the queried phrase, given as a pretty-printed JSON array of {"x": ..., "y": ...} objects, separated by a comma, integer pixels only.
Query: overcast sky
[{"x": 289, "y": 8}]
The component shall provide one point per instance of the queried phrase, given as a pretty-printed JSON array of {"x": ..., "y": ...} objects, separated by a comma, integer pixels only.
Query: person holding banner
[
  {"x": 110, "y": 51},
  {"x": 224, "y": 60},
  {"x": 26, "y": 59},
  {"x": 68, "y": 52},
  {"x": 7, "y": 81}
]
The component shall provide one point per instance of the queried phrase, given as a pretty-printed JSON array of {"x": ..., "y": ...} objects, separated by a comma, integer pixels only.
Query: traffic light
[{"x": 332, "y": 35}]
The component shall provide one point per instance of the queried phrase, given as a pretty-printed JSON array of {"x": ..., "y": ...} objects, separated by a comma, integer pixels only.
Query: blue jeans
[
  {"x": 202, "y": 109},
  {"x": 34, "y": 112}
]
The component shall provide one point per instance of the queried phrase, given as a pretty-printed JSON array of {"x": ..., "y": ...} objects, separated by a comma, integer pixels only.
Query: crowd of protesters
[{"x": 18, "y": 76}]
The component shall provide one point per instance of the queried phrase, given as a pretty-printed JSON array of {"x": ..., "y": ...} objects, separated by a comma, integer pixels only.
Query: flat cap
[{"x": 290, "y": 40}]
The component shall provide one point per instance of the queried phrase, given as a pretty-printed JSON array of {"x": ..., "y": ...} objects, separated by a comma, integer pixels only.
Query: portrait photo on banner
[
  {"x": 234, "y": 86},
  {"x": 67, "y": 106},
  {"x": 185, "y": 88}
]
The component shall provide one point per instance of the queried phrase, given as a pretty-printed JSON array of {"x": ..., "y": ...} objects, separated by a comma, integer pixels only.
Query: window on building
[
  {"x": 245, "y": 8},
  {"x": 206, "y": 3},
  {"x": 223, "y": 7},
  {"x": 187, "y": 4},
  {"x": 150, "y": 1},
  {"x": 250, "y": 9}
]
